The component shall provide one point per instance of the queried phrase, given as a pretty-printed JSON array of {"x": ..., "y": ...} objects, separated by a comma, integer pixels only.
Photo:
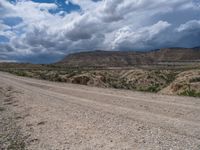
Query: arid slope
[{"x": 124, "y": 58}]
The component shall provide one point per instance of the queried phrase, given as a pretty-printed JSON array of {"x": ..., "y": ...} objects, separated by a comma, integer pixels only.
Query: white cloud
[
  {"x": 142, "y": 35},
  {"x": 190, "y": 25},
  {"x": 67, "y": 2},
  {"x": 3, "y": 27}
]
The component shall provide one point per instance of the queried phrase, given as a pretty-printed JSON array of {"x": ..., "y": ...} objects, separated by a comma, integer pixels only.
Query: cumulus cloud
[
  {"x": 126, "y": 36},
  {"x": 45, "y": 33}
]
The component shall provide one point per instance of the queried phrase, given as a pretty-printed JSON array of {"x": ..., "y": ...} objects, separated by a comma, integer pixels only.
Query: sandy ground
[{"x": 58, "y": 116}]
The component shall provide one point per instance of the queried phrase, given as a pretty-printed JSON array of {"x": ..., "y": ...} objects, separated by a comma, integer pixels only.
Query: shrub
[
  {"x": 197, "y": 79},
  {"x": 192, "y": 93},
  {"x": 21, "y": 73},
  {"x": 152, "y": 88}
]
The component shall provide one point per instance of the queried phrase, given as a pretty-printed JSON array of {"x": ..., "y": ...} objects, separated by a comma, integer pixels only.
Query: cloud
[
  {"x": 193, "y": 25},
  {"x": 125, "y": 37},
  {"x": 3, "y": 26},
  {"x": 46, "y": 33},
  {"x": 189, "y": 33},
  {"x": 67, "y": 2},
  {"x": 6, "y": 48}
]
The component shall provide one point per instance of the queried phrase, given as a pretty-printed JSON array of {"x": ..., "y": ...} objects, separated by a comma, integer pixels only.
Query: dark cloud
[
  {"x": 38, "y": 58},
  {"x": 6, "y": 48}
]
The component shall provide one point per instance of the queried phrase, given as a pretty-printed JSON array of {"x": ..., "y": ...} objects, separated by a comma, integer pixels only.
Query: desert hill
[{"x": 131, "y": 58}]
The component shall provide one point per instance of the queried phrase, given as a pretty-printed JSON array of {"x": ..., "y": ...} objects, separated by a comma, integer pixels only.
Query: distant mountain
[{"x": 130, "y": 58}]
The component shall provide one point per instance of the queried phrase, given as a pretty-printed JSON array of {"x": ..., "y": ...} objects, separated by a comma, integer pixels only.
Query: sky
[{"x": 44, "y": 31}]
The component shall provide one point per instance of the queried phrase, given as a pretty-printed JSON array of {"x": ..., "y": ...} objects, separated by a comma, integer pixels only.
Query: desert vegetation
[{"x": 166, "y": 81}]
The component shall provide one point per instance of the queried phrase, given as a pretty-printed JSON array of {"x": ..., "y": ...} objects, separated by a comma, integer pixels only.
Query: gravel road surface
[{"x": 59, "y": 116}]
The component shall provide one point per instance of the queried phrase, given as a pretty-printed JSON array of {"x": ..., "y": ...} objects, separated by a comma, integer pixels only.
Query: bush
[
  {"x": 21, "y": 73},
  {"x": 192, "y": 93},
  {"x": 195, "y": 80},
  {"x": 151, "y": 88}
]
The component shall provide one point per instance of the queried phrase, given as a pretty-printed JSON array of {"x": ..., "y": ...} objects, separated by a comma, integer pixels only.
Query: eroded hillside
[
  {"x": 175, "y": 82},
  {"x": 132, "y": 58}
]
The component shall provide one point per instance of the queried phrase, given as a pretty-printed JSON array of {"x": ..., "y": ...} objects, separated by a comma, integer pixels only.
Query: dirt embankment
[
  {"x": 186, "y": 83},
  {"x": 175, "y": 82}
]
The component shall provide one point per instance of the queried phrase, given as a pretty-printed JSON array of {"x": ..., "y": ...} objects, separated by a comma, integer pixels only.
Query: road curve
[{"x": 67, "y": 116}]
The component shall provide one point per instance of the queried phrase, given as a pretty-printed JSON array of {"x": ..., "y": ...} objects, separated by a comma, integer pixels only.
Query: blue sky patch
[
  {"x": 62, "y": 5},
  {"x": 12, "y": 21},
  {"x": 3, "y": 39}
]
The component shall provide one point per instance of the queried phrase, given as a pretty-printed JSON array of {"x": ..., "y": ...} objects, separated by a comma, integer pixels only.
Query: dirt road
[{"x": 65, "y": 116}]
